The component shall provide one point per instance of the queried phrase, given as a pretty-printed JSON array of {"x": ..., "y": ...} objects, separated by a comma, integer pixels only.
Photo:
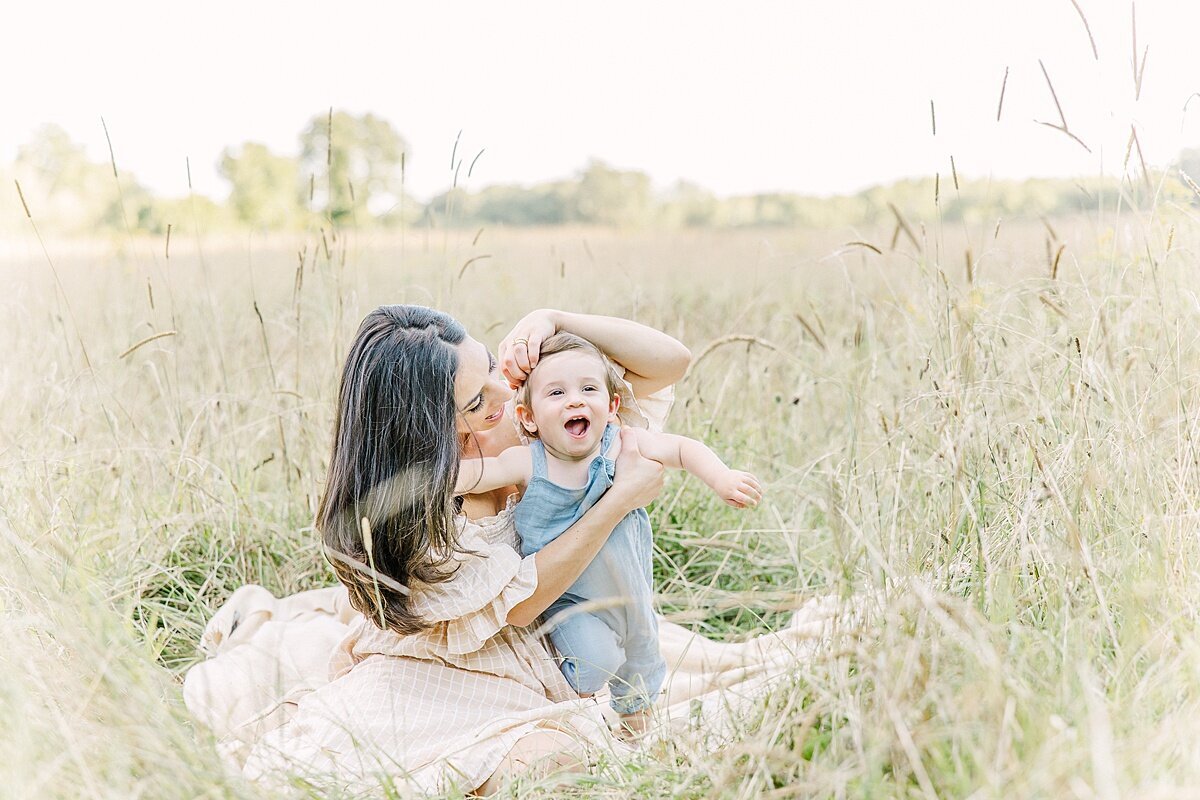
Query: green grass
[{"x": 1004, "y": 474}]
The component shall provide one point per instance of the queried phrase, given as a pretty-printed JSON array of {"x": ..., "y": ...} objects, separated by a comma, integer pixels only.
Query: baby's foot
[{"x": 634, "y": 726}]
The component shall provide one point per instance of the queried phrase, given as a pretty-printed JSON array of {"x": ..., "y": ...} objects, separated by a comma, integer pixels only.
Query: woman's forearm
[
  {"x": 637, "y": 482},
  {"x": 563, "y": 560},
  {"x": 651, "y": 358}
]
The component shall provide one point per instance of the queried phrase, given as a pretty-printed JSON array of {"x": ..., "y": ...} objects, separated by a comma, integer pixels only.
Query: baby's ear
[
  {"x": 525, "y": 417},
  {"x": 614, "y": 405}
]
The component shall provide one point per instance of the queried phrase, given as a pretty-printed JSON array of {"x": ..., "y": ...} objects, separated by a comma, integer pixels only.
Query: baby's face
[{"x": 569, "y": 404}]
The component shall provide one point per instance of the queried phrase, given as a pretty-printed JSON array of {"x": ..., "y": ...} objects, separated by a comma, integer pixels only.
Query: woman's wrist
[
  {"x": 557, "y": 319},
  {"x": 618, "y": 500}
]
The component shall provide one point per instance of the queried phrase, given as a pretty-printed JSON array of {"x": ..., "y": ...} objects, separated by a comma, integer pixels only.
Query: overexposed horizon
[{"x": 772, "y": 96}]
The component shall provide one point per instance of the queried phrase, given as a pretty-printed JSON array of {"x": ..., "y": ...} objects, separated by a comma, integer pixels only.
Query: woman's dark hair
[{"x": 394, "y": 463}]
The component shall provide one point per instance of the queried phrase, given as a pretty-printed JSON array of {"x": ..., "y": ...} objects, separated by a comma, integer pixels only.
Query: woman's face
[{"x": 479, "y": 390}]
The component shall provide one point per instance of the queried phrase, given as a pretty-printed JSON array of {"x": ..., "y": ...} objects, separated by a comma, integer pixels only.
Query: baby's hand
[{"x": 739, "y": 489}]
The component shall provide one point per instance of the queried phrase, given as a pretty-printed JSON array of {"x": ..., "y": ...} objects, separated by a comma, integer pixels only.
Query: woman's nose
[{"x": 503, "y": 390}]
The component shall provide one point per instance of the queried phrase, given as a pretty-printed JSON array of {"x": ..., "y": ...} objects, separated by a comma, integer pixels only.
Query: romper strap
[
  {"x": 538, "y": 451},
  {"x": 606, "y": 441},
  {"x": 610, "y": 466}
]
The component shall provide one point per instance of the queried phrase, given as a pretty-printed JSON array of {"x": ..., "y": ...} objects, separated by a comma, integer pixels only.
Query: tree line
[{"x": 350, "y": 171}]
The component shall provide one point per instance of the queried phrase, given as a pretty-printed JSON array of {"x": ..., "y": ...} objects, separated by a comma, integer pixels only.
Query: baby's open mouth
[{"x": 578, "y": 427}]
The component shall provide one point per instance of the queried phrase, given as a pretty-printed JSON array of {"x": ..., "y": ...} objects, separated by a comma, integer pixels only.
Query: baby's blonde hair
[{"x": 564, "y": 342}]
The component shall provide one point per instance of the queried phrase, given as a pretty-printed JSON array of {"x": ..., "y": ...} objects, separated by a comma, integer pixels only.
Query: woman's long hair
[{"x": 387, "y": 517}]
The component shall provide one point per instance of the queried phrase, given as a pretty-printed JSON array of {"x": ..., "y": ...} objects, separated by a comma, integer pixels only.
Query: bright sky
[{"x": 813, "y": 97}]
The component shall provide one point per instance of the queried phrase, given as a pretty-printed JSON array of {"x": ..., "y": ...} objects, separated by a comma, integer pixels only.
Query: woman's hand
[
  {"x": 638, "y": 479},
  {"x": 559, "y": 563},
  {"x": 519, "y": 350}
]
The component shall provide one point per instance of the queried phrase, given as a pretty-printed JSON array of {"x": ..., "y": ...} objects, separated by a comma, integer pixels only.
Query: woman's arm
[
  {"x": 651, "y": 358},
  {"x": 638, "y": 480}
]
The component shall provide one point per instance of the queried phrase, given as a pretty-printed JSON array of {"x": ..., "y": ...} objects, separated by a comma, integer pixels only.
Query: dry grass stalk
[
  {"x": 329, "y": 141},
  {"x": 147, "y": 340},
  {"x": 24, "y": 205},
  {"x": 471, "y": 168},
  {"x": 903, "y": 225},
  {"x": 1139, "y": 69},
  {"x": 811, "y": 330},
  {"x": 1062, "y": 126},
  {"x": 469, "y": 262},
  {"x": 867, "y": 245},
  {"x": 1191, "y": 184},
  {"x": 1003, "y": 86},
  {"x": 1053, "y": 306},
  {"x": 1088, "y": 28}
]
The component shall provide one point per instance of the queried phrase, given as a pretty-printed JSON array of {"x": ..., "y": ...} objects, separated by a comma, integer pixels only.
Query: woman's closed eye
[{"x": 477, "y": 403}]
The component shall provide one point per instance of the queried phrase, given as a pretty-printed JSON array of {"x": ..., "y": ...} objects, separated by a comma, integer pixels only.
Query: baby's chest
[
  {"x": 568, "y": 474},
  {"x": 578, "y": 474}
]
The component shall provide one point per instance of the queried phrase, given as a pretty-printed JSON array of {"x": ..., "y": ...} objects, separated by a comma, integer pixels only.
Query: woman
[{"x": 438, "y": 683}]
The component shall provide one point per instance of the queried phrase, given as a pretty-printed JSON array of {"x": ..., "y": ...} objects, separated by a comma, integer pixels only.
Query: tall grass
[{"x": 1002, "y": 464}]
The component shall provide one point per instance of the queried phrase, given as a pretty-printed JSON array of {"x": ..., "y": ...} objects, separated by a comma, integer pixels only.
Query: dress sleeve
[
  {"x": 474, "y": 604},
  {"x": 649, "y": 411}
]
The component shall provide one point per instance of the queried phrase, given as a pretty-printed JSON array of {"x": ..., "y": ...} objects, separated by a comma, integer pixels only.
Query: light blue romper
[{"x": 616, "y": 644}]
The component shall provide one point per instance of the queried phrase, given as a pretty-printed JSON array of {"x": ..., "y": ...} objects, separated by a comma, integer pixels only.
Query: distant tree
[
  {"x": 265, "y": 187},
  {"x": 56, "y": 161},
  {"x": 1189, "y": 162},
  {"x": 689, "y": 205},
  {"x": 72, "y": 193},
  {"x": 360, "y": 174},
  {"x": 611, "y": 196},
  {"x": 543, "y": 204}
]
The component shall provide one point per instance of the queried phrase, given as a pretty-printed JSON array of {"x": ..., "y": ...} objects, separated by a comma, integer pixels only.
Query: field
[{"x": 988, "y": 436}]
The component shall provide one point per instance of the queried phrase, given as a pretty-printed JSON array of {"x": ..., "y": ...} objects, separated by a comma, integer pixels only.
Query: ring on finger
[{"x": 521, "y": 341}]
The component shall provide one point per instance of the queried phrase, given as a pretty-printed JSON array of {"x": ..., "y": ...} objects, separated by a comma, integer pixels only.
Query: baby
[{"x": 604, "y": 626}]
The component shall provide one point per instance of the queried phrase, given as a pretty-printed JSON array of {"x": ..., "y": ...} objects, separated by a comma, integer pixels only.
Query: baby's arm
[
  {"x": 479, "y": 475},
  {"x": 737, "y": 488}
]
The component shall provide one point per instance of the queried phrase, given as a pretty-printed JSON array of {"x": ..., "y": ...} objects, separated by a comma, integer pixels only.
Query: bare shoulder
[
  {"x": 517, "y": 456},
  {"x": 514, "y": 466}
]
